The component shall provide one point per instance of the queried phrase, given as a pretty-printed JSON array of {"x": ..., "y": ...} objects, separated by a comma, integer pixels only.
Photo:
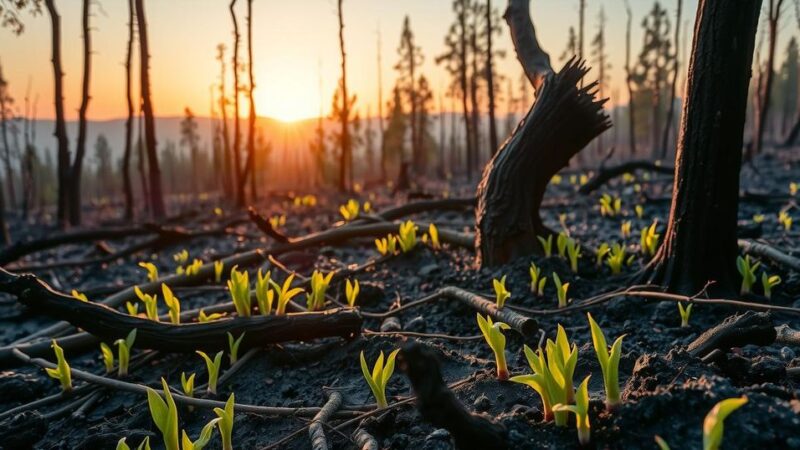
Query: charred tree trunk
[
  {"x": 490, "y": 80},
  {"x": 629, "y": 82},
  {"x": 61, "y": 126},
  {"x": 250, "y": 169},
  {"x": 462, "y": 68},
  {"x": 227, "y": 174},
  {"x": 765, "y": 90},
  {"x": 156, "y": 195},
  {"x": 4, "y": 237},
  {"x": 237, "y": 134},
  {"x": 673, "y": 84},
  {"x": 700, "y": 241},
  {"x": 473, "y": 96},
  {"x": 345, "y": 159},
  {"x": 126, "y": 158},
  {"x": 561, "y": 122},
  {"x": 77, "y": 165},
  {"x": 380, "y": 112}
]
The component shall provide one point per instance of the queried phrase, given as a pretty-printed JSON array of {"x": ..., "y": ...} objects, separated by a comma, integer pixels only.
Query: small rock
[
  {"x": 482, "y": 403},
  {"x": 416, "y": 325},
  {"x": 391, "y": 324},
  {"x": 787, "y": 354},
  {"x": 439, "y": 434}
]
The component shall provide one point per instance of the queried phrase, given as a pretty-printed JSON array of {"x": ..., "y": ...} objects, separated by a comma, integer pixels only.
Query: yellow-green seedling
[
  {"x": 601, "y": 253},
  {"x": 493, "y": 333},
  {"x": 625, "y": 229},
  {"x": 144, "y": 445},
  {"x": 379, "y": 377},
  {"x": 786, "y": 220},
  {"x": 225, "y": 423},
  {"x": 315, "y": 300},
  {"x": 218, "y": 267},
  {"x": 124, "y": 352},
  {"x": 541, "y": 380},
  {"x": 351, "y": 291},
  {"x": 685, "y": 313},
  {"x": 758, "y": 218},
  {"x": 713, "y": 425},
  {"x": 649, "y": 239},
  {"x": 556, "y": 179},
  {"x": 573, "y": 252},
  {"x": 349, "y": 210},
  {"x": 581, "y": 411},
  {"x": 768, "y": 282},
  {"x": 233, "y": 345},
  {"x": 239, "y": 287},
  {"x": 561, "y": 290},
  {"x": 173, "y": 304},
  {"x": 547, "y": 245},
  {"x": 212, "y": 367},
  {"x": 264, "y": 295},
  {"x": 132, "y": 308},
  {"x": 62, "y": 372},
  {"x": 501, "y": 294},
  {"x": 609, "y": 363},
  {"x": 537, "y": 280},
  {"x": 433, "y": 232},
  {"x": 108, "y": 357},
  {"x": 277, "y": 221},
  {"x": 152, "y": 270},
  {"x": 616, "y": 258},
  {"x": 610, "y": 206},
  {"x": 407, "y": 236},
  {"x": 747, "y": 269},
  {"x": 202, "y": 440},
  {"x": 386, "y": 246},
  {"x": 79, "y": 296},
  {"x": 562, "y": 359},
  {"x": 285, "y": 293},
  {"x": 793, "y": 188},
  {"x": 164, "y": 415},
  {"x": 187, "y": 383},
  {"x": 661, "y": 443},
  {"x": 639, "y": 210},
  {"x": 150, "y": 303},
  {"x": 203, "y": 317},
  {"x": 561, "y": 244},
  {"x": 182, "y": 257},
  {"x": 194, "y": 267},
  {"x": 628, "y": 178}
]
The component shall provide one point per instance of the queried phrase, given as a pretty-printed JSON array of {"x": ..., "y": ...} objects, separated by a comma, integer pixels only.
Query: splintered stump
[{"x": 562, "y": 121}]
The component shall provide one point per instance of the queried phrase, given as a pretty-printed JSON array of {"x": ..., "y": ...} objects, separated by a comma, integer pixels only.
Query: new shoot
[
  {"x": 173, "y": 304},
  {"x": 225, "y": 423},
  {"x": 573, "y": 252},
  {"x": 379, "y": 377},
  {"x": 124, "y": 352},
  {"x": 616, "y": 258},
  {"x": 62, "y": 372},
  {"x": 493, "y": 333},
  {"x": 537, "y": 280},
  {"x": 164, "y": 415},
  {"x": 685, "y": 313},
  {"x": 547, "y": 245},
  {"x": 649, "y": 239},
  {"x": 152, "y": 270},
  {"x": 285, "y": 293},
  {"x": 351, "y": 291},
  {"x": 386, "y": 246},
  {"x": 150, "y": 303},
  {"x": 609, "y": 363},
  {"x": 747, "y": 269},
  {"x": 501, "y": 294},
  {"x": 349, "y": 210},
  {"x": 561, "y": 291},
  {"x": 108, "y": 357},
  {"x": 202, "y": 440},
  {"x": 315, "y": 300},
  {"x": 713, "y": 425},
  {"x": 239, "y": 287},
  {"x": 768, "y": 282},
  {"x": 264, "y": 295},
  {"x": 407, "y": 236},
  {"x": 233, "y": 345},
  {"x": 218, "y": 267},
  {"x": 433, "y": 232},
  {"x": 541, "y": 380},
  {"x": 581, "y": 411},
  {"x": 213, "y": 370}
]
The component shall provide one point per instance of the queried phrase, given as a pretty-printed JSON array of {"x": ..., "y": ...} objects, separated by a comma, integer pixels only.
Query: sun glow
[{"x": 287, "y": 102}]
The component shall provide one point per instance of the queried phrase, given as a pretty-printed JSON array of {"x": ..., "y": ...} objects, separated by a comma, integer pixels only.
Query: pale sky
[{"x": 292, "y": 39}]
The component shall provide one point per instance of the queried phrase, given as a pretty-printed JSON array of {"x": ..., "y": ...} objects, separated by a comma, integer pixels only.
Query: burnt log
[{"x": 750, "y": 328}]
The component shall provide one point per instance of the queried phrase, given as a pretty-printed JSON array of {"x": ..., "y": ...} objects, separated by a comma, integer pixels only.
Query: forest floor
[{"x": 666, "y": 391}]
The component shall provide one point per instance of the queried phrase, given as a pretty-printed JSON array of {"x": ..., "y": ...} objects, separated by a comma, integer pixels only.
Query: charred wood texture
[
  {"x": 700, "y": 242},
  {"x": 524, "y": 325},
  {"x": 750, "y": 328},
  {"x": 562, "y": 121},
  {"x": 439, "y": 406}
]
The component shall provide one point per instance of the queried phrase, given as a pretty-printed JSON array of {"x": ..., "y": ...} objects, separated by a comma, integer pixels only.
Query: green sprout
[
  {"x": 581, "y": 411},
  {"x": 758, "y": 218},
  {"x": 601, "y": 253},
  {"x": 785, "y": 219},
  {"x": 493, "y": 333},
  {"x": 349, "y": 211},
  {"x": 351, "y": 291},
  {"x": 649, "y": 239},
  {"x": 561, "y": 360},
  {"x": 541, "y": 380},
  {"x": 165, "y": 415},
  {"x": 639, "y": 210},
  {"x": 573, "y": 252},
  {"x": 537, "y": 280},
  {"x": 609, "y": 363},
  {"x": 194, "y": 267},
  {"x": 561, "y": 290},
  {"x": 202, "y": 440},
  {"x": 218, "y": 267},
  {"x": 62, "y": 372},
  {"x": 213, "y": 370},
  {"x": 407, "y": 236},
  {"x": 501, "y": 294},
  {"x": 225, "y": 423},
  {"x": 625, "y": 229},
  {"x": 150, "y": 303},
  {"x": 239, "y": 287},
  {"x": 285, "y": 294},
  {"x": 152, "y": 270},
  {"x": 433, "y": 232},
  {"x": 173, "y": 303},
  {"x": 379, "y": 377},
  {"x": 125, "y": 346},
  {"x": 79, "y": 296},
  {"x": 187, "y": 383},
  {"x": 319, "y": 286},
  {"x": 561, "y": 244},
  {"x": 747, "y": 269},
  {"x": 144, "y": 445},
  {"x": 386, "y": 246},
  {"x": 233, "y": 344},
  {"x": 182, "y": 257},
  {"x": 661, "y": 443},
  {"x": 203, "y": 317},
  {"x": 768, "y": 282},
  {"x": 713, "y": 425},
  {"x": 793, "y": 188},
  {"x": 132, "y": 308},
  {"x": 264, "y": 295},
  {"x": 610, "y": 206},
  {"x": 547, "y": 245},
  {"x": 616, "y": 258},
  {"x": 108, "y": 357},
  {"x": 685, "y": 313},
  {"x": 277, "y": 221}
]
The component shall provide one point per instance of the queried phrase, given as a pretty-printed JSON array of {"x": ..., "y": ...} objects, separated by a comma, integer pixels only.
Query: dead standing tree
[
  {"x": 346, "y": 157},
  {"x": 126, "y": 158},
  {"x": 76, "y": 168},
  {"x": 765, "y": 88},
  {"x": 700, "y": 242},
  {"x": 561, "y": 122},
  {"x": 237, "y": 134}
]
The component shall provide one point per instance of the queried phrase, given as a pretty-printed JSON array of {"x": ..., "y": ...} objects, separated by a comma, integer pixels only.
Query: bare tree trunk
[
  {"x": 380, "y": 111},
  {"x": 227, "y": 178},
  {"x": 700, "y": 241},
  {"x": 250, "y": 170},
  {"x": 237, "y": 135},
  {"x": 345, "y": 156},
  {"x": 629, "y": 82},
  {"x": 490, "y": 80},
  {"x": 61, "y": 126},
  {"x": 156, "y": 193},
  {"x": 462, "y": 37},
  {"x": 473, "y": 97},
  {"x": 765, "y": 90},
  {"x": 126, "y": 158},
  {"x": 80, "y": 150},
  {"x": 142, "y": 163},
  {"x": 673, "y": 84},
  {"x": 4, "y": 237}
]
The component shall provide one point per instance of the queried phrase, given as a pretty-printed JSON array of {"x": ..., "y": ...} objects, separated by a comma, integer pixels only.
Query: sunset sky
[{"x": 292, "y": 40}]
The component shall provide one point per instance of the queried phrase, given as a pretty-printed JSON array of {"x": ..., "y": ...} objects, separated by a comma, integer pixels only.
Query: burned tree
[
  {"x": 76, "y": 169},
  {"x": 237, "y": 135},
  {"x": 126, "y": 158},
  {"x": 629, "y": 81},
  {"x": 700, "y": 241},
  {"x": 561, "y": 122},
  {"x": 346, "y": 156},
  {"x": 765, "y": 86},
  {"x": 250, "y": 168}
]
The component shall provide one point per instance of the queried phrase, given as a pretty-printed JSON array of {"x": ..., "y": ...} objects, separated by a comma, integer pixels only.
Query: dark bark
[
  {"x": 493, "y": 142},
  {"x": 250, "y": 169},
  {"x": 700, "y": 243},
  {"x": 750, "y": 328},
  {"x": 156, "y": 195},
  {"x": 227, "y": 171},
  {"x": 765, "y": 90},
  {"x": 237, "y": 135},
  {"x": 345, "y": 157},
  {"x": 265, "y": 226},
  {"x": 76, "y": 170},
  {"x": 629, "y": 83},
  {"x": 126, "y": 158}
]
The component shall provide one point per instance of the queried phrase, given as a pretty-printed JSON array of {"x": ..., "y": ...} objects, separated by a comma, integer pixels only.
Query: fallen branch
[
  {"x": 265, "y": 226},
  {"x": 526, "y": 326},
  {"x": 364, "y": 440},
  {"x": 316, "y": 429},
  {"x": 735, "y": 331},
  {"x": 763, "y": 250},
  {"x": 606, "y": 174}
]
